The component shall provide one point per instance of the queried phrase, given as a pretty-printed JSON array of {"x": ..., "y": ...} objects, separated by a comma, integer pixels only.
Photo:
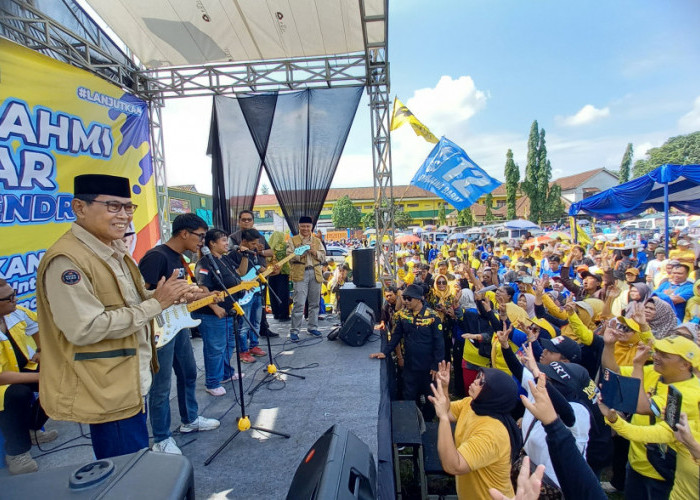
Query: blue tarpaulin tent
[{"x": 667, "y": 186}]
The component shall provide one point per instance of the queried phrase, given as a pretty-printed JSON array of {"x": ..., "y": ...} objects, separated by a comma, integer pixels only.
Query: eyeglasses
[
  {"x": 115, "y": 207},
  {"x": 247, "y": 219},
  {"x": 442, "y": 282},
  {"x": 198, "y": 235},
  {"x": 623, "y": 328},
  {"x": 9, "y": 298}
]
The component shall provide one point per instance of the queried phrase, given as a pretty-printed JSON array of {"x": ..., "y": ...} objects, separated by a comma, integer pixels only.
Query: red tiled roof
[
  {"x": 357, "y": 194},
  {"x": 574, "y": 181}
]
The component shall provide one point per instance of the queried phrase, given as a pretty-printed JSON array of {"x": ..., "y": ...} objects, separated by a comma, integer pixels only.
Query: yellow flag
[
  {"x": 403, "y": 115},
  {"x": 581, "y": 235}
]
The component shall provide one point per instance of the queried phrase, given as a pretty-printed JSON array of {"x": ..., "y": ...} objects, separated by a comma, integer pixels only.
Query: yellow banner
[
  {"x": 403, "y": 115},
  {"x": 582, "y": 237},
  {"x": 56, "y": 122}
]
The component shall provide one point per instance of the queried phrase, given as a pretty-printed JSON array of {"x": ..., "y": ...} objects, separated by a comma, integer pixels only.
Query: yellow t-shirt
[
  {"x": 690, "y": 389},
  {"x": 485, "y": 445}
]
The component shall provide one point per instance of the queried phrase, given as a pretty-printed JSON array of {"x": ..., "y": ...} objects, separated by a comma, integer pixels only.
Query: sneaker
[
  {"x": 246, "y": 357},
  {"x": 219, "y": 391},
  {"x": 21, "y": 464},
  {"x": 41, "y": 437},
  {"x": 167, "y": 446},
  {"x": 321, "y": 316},
  {"x": 257, "y": 352},
  {"x": 269, "y": 333},
  {"x": 608, "y": 487},
  {"x": 294, "y": 337},
  {"x": 201, "y": 424},
  {"x": 315, "y": 333},
  {"x": 235, "y": 377}
]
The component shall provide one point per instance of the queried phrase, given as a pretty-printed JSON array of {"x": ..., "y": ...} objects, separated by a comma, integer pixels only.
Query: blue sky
[{"x": 596, "y": 75}]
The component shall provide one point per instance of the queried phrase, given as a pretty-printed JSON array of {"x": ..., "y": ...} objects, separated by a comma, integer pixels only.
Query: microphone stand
[
  {"x": 243, "y": 422},
  {"x": 272, "y": 368}
]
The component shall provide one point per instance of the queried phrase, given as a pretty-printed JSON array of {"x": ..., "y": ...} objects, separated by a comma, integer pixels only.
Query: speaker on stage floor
[
  {"x": 363, "y": 267},
  {"x": 358, "y": 327},
  {"x": 339, "y": 466},
  {"x": 144, "y": 474},
  {"x": 350, "y": 295}
]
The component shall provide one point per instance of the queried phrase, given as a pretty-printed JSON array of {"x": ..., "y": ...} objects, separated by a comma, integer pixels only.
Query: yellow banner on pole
[
  {"x": 582, "y": 237},
  {"x": 402, "y": 115}
]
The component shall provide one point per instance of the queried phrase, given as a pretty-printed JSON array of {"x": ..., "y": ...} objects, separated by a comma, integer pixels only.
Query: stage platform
[{"x": 342, "y": 386}]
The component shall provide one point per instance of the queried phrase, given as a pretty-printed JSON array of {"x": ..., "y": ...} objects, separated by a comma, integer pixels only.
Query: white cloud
[
  {"x": 450, "y": 102},
  {"x": 585, "y": 115},
  {"x": 690, "y": 122}
]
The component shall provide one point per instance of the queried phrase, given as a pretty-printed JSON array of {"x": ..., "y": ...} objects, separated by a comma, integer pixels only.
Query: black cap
[
  {"x": 597, "y": 277},
  {"x": 413, "y": 291},
  {"x": 101, "y": 184},
  {"x": 574, "y": 377},
  {"x": 305, "y": 219},
  {"x": 564, "y": 346}
]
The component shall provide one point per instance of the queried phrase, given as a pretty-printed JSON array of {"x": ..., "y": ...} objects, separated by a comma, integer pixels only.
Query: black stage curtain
[
  {"x": 297, "y": 136},
  {"x": 235, "y": 163},
  {"x": 306, "y": 141}
]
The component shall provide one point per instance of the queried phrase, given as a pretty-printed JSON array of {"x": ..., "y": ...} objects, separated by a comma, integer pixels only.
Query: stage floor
[{"x": 341, "y": 387}]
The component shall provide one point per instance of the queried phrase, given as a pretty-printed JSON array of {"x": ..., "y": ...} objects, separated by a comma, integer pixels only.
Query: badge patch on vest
[{"x": 70, "y": 277}]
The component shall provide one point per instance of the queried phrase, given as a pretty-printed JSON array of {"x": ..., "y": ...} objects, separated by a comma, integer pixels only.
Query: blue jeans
[
  {"x": 120, "y": 437},
  {"x": 248, "y": 337},
  {"x": 176, "y": 355},
  {"x": 219, "y": 345}
]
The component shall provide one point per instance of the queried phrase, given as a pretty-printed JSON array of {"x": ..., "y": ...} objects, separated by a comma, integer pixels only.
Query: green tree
[
  {"x": 679, "y": 150},
  {"x": 530, "y": 185},
  {"x": 555, "y": 206},
  {"x": 402, "y": 219},
  {"x": 345, "y": 215},
  {"x": 538, "y": 173},
  {"x": 512, "y": 174},
  {"x": 489, "y": 204},
  {"x": 465, "y": 217},
  {"x": 624, "y": 174},
  {"x": 442, "y": 214},
  {"x": 265, "y": 189}
]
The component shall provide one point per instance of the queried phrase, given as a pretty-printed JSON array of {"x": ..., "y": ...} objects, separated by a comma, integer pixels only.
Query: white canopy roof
[{"x": 186, "y": 32}]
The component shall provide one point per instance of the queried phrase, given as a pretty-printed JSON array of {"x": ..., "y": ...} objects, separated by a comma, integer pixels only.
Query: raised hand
[
  {"x": 504, "y": 335},
  {"x": 542, "y": 407},
  {"x": 528, "y": 486},
  {"x": 530, "y": 361},
  {"x": 440, "y": 400},
  {"x": 442, "y": 375},
  {"x": 643, "y": 351}
]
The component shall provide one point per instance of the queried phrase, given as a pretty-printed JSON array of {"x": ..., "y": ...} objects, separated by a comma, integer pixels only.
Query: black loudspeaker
[
  {"x": 358, "y": 327},
  {"x": 350, "y": 295},
  {"x": 363, "y": 267},
  {"x": 338, "y": 466},
  {"x": 144, "y": 474}
]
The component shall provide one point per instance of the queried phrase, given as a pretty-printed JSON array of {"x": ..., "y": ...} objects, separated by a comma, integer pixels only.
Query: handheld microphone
[{"x": 207, "y": 253}]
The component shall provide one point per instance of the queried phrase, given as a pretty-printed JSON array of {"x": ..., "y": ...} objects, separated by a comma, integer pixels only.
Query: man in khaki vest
[
  {"x": 95, "y": 313},
  {"x": 306, "y": 276}
]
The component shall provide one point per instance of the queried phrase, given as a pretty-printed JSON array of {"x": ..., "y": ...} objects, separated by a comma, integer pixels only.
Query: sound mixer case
[{"x": 144, "y": 474}]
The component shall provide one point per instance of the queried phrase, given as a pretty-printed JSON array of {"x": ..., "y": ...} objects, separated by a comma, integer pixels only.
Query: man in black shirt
[
  {"x": 246, "y": 220},
  {"x": 252, "y": 303},
  {"x": 421, "y": 330},
  {"x": 188, "y": 234}
]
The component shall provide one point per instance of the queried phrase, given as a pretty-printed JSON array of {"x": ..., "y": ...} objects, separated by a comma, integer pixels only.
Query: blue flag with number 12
[{"x": 450, "y": 174}]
